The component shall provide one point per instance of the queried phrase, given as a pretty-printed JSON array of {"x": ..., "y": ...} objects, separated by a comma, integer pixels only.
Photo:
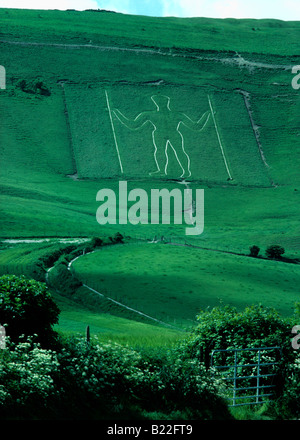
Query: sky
[{"x": 278, "y": 9}]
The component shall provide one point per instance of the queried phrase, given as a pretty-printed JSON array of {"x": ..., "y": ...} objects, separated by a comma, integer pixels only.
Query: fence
[{"x": 263, "y": 370}]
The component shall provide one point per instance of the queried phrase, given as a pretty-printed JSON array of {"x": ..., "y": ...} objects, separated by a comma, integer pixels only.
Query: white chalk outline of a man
[{"x": 166, "y": 131}]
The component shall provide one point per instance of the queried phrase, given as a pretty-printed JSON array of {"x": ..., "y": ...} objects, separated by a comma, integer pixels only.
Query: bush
[
  {"x": 103, "y": 371},
  {"x": 35, "y": 87},
  {"x": 108, "y": 381},
  {"x": 254, "y": 251},
  {"x": 225, "y": 327},
  {"x": 96, "y": 242},
  {"x": 26, "y": 307},
  {"x": 256, "y": 326},
  {"x": 275, "y": 252},
  {"x": 288, "y": 403},
  {"x": 26, "y": 377},
  {"x": 188, "y": 388},
  {"x": 115, "y": 379},
  {"x": 117, "y": 238},
  {"x": 46, "y": 261}
]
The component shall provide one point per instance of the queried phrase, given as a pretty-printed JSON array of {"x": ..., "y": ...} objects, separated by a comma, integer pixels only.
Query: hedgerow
[
  {"x": 102, "y": 380},
  {"x": 72, "y": 377}
]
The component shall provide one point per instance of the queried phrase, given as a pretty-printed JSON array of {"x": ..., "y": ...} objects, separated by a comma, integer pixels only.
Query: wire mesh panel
[{"x": 249, "y": 372}]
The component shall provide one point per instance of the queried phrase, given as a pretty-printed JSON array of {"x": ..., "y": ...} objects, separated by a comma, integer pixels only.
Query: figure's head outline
[{"x": 161, "y": 101}]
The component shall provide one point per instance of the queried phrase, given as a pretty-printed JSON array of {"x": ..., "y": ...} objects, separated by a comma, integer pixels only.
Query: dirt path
[
  {"x": 132, "y": 310},
  {"x": 236, "y": 60},
  {"x": 44, "y": 240}
]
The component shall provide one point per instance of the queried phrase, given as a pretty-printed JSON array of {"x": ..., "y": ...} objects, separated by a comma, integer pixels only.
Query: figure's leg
[
  {"x": 160, "y": 157},
  {"x": 182, "y": 157}
]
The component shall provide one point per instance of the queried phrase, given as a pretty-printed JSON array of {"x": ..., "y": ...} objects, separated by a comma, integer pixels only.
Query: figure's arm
[
  {"x": 197, "y": 126},
  {"x": 133, "y": 124}
]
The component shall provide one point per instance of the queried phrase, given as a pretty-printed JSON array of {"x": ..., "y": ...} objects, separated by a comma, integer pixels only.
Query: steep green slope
[
  {"x": 69, "y": 77},
  {"x": 82, "y": 78},
  {"x": 148, "y": 279},
  {"x": 266, "y": 36},
  {"x": 68, "y": 71}
]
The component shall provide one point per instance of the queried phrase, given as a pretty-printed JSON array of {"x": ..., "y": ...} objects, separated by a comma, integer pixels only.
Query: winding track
[
  {"x": 237, "y": 60},
  {"x": 111, "y": 299}
]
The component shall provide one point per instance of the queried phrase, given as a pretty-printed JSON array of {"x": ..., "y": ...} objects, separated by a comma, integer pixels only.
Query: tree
[
  {"x": 96, "y": 242},
  {"x": 226, "y": 327},
  {"x": 254, "y": 251},
  {"x": 26, "y": 308},
  {"x": 35, "y": 87},
  {"x": 275, "y": 252},
  {"x": 117, "y": 238}
]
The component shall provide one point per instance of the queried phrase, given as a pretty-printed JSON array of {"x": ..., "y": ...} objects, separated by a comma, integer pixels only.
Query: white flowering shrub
[
  {"x": 103, "y": 380},
  {"x": 113, "y": 376},
  {"x": 26, "y": 374},
  {"x": 100, "y": 368},
  {"x": 99, "y": 380}
]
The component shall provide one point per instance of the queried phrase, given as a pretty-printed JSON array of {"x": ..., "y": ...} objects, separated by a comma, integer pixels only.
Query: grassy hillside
[
  {"x": 46, "y": 137},
  {"x": 72, "y": 126},
  {"x": 267, "y": 36},
  {"x": 75, "y": 317},
  {"x": 68, "y": 75},
  {"x": 177, "y": 288}
]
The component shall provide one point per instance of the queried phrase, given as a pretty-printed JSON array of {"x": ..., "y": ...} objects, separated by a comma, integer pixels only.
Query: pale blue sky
[{"x": 280, "y": 9}]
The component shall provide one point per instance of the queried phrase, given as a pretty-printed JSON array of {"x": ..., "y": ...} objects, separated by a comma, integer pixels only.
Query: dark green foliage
[
  {"x": 256, "y": 326},
  {"x": 96, "y": 242},
  {"x": 297, "y": 310},
  {"x": 117, "y": 238},
  {"x": 110, "y": 381},
  {"x": 287, "y": 405},
  {"x": 224, "y": 327},
  {"x": 275, "y": 252},
  {"x": 189, "y": 389},
  {"x": 48, "y": 260},
  {"x": 26, "y": 307},
  {"x": 106, "y": 381},
  {"x": 254, "y": 251},
  {"x": 62, "y": 279},
  {"x": 35, "y": 87}
]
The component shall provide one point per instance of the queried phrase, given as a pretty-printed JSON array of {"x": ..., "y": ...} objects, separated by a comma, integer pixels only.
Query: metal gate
[{"x": 263, "y": 365}]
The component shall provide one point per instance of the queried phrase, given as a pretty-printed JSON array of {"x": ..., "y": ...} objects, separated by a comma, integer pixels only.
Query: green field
[
  {"x": 91, "y": 127},
  {"x": 175, "y": 289},
  {"x": 75, "y": 318},
  {"x": 61, "y": 142}
]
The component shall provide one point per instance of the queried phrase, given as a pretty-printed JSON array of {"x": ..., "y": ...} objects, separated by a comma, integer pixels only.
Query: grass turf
[
  {"x": 243, "y": 65},
  {"x": 173, "y": 282}
]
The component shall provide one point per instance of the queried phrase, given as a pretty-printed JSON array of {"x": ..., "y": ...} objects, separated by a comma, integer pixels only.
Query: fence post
[{"x": 88, "y": 335}]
